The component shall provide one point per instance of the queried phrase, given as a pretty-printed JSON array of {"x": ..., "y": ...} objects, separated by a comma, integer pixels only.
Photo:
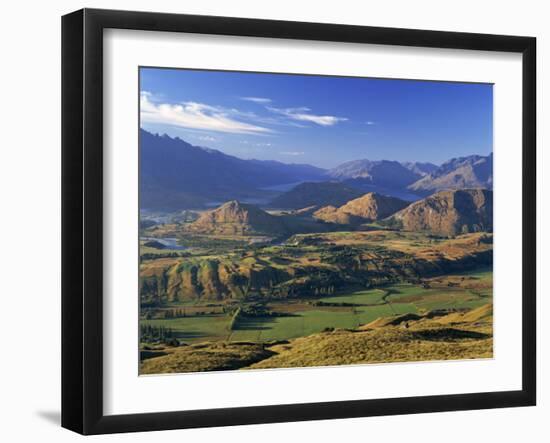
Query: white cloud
[
  {"x": 193, "y": 115},
  {"x": 207, "y": 138},
  {"x": 303, "y": 114},
  {"x": 370, "y": 123},
  {"x": 259, "y": 100},
  {"x": 294, "y": 153}
]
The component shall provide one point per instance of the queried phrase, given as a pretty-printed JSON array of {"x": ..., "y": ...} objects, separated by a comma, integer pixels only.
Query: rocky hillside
[
  {"x": 315, "y": 194},
  {"x": 474, "y": 171},
  {"x": 369, "y": 207},
  {"x": 450, "y": 213},
  {"x": 373, "y": 206},
  {"x": 234, "y": 218},
  {"x": 332, "y": 214}
]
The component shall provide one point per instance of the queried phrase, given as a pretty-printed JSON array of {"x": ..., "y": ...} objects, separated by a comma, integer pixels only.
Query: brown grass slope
[
  {"x": 373, "y": 206},
  {"x": 421, "y": 340},
  {"x": 450, "y": 212},
  {"x": 367, "y": 208},
  {"x": 205, "y": 357},
  {"x": 481, "y": 314},
  {"x": 235, "y": 218},
  {"x": 331, "y": 214}
]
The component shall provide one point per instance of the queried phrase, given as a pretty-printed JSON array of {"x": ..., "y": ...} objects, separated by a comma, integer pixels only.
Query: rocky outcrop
[
  {"x": 234, "y": 218},
  {"x": 373, "y": 206},
  {"x": 368, "y": 208},
  {"x": 450, "y": 213}
]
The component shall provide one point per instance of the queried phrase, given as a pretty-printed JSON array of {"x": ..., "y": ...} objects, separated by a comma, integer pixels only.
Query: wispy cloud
[
  {"x": 259, "y": 145},
  {"x": 207, "y": 138},
  {"x": 259, "y": 100},
  {"x": 193, "y": 115},
  {"x": 370, "y": 123},
  {"x": 293, "y": 153},
  {"x": 304, "y": 114}
]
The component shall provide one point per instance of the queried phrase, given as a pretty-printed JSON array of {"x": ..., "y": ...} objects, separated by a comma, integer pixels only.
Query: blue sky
[{"x": 319, "y": 120}]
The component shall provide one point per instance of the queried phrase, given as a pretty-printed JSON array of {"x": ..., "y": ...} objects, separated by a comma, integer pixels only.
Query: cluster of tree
[
  {"x": 324, "y": 290},
  {"x": 173, "y": 313},
  {"x": 167, "y": 314},
  {"x": 307, "y": 284},
  {"x": 199, "y": 313},
  {"x": 157, "y": 334},
  {"x": 154, "y": 256},
  {"x": 259, "y": 310},
  {"x": 344, "y": 256},
  {"x": 331, "y": 304},
  {"x": 391, "y": 223}
]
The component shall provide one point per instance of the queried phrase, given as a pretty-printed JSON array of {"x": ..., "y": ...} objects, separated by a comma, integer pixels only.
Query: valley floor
[
  {"x": 445, "y": 317},
  {"x": 323, "y": 298}
]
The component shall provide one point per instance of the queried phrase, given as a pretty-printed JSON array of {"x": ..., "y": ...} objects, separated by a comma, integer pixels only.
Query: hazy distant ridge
[
  {"x": 176, "y": 175},
  {"x": 474, "y": 171}
]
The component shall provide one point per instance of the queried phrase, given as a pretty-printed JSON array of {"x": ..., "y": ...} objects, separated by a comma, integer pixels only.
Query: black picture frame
[{"x": 82, "y": 218}]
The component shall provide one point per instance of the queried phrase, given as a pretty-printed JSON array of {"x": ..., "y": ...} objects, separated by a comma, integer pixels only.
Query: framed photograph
[{"x": 269, "y": 221}]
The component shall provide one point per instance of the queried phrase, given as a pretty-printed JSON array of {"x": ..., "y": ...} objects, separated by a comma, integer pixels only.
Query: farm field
[
  {"x": 219, "y": 302},
  {"x": 298, "y": 318}
]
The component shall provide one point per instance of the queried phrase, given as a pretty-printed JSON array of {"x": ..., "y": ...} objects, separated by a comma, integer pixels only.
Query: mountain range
[
  {"x": 474, "y": 171},
  {"x": 384, "y": 173},
  {"x": 176, "y": 175},
  {"x": 446, "y": 213}
]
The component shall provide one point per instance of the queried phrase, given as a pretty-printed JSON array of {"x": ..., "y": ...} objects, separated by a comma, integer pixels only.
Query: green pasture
[
  {"x": 195, "y": 329},
  {"x": 368, "y": 305}
]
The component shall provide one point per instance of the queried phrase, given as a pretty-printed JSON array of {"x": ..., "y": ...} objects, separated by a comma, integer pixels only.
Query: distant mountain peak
[
  {"x": 473, "y": 171},
  {"x": 420, "y": 168},
  {"x": 384, "y": 173}
]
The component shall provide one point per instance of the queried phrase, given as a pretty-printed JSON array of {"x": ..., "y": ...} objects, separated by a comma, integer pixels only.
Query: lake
[{"x": 169, "y": 242}]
